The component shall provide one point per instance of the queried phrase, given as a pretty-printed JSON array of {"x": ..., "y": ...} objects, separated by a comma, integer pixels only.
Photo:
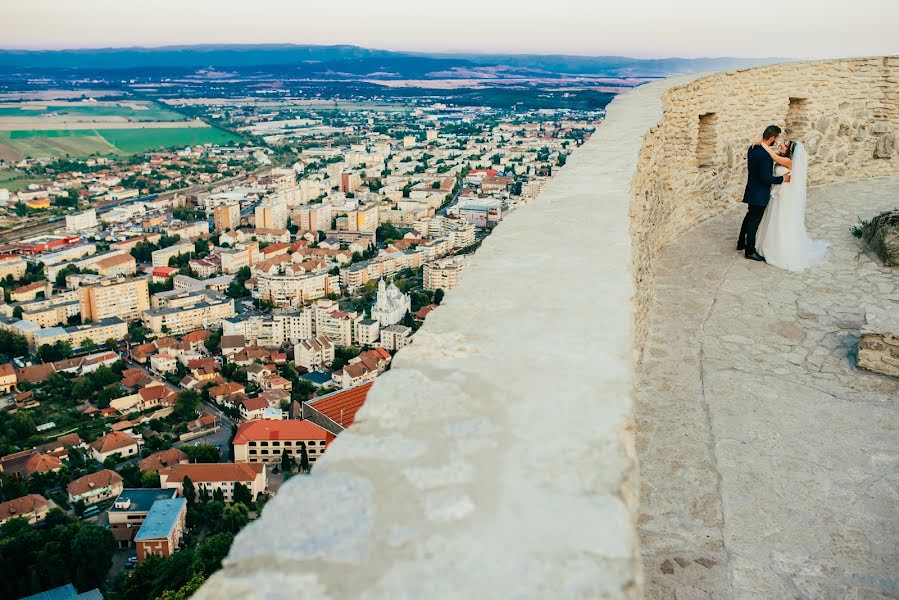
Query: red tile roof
[
  {"x": 211, "y": 472},
  {"x": 279, "y": 430},
  {"x": 341, "y": 406},
  {"x": 251, "y": 404},
  {"x": 162, "y": 459},
  {"x": 113, "y": 441},
  {"x": 100, "y": 479},
  {"x": 23, "y": 506}
]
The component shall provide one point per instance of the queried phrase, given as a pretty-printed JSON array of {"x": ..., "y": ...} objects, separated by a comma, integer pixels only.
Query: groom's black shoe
[{"x": 755, "y": 256}]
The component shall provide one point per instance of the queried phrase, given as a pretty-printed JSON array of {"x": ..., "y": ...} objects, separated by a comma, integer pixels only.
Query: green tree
[
  {"x": 235, "y": 517},
  {"x": 87, "y": 343},
  {"x": 149, "y": 479},
  {"x": 186, "y": 405},
  {"x": 218, "y": 495},
  {"x": 188, "y": 491},
  {"x": 438, "y": 296},
  {"x": 92, "y": 550},
  {"x": 304, "y": 458},
  {"x": 242, "y": 494},
  {"x": 11, "y": 487},
  {"x": 185, "y": 591},
  {"x": 12, "y": 345},
  {"x": 209, "y": 555},
  {"x": 202, "y": 453}
]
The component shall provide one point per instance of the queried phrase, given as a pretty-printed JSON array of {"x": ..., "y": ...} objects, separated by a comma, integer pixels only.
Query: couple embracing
[{"x": 773, "y": 230}]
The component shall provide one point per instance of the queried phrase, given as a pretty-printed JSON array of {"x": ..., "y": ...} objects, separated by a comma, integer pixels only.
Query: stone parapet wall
[
  {"x": 692, "y": 165},
  {"x": 495, "y": 459}
]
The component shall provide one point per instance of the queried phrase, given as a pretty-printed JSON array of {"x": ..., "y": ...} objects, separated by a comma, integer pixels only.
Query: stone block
[
  {"x": 881, "y": 236},
  {"x": 885, "y": 147},
  {"x": 878, "y": 347}
]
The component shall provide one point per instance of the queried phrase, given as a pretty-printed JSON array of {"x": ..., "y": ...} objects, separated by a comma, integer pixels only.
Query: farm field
[
  {"x": 58, "y": 143},
  {"x": 14, "y": 181},
  {"x": 132, "y": 111}
]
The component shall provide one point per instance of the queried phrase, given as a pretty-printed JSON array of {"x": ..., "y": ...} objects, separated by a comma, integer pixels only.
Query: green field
[
  {"x": 152, "y": 112},
  {"x": 14, "y": 181},
  {"x": 59, "y": 143},
  {"x": 130, "y": 141}
]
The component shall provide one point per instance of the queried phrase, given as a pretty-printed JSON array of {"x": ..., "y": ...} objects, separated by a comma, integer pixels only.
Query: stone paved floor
[{"x": 769, "y": 463}]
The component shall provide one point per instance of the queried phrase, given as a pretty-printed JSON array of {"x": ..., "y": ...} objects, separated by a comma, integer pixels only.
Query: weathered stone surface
[
  {"x": 885, "y": 147},
  {"x": 495, "y": 459},
  {"x": 815, "y": 101},
  {"x": 878, "y": 347},
  {"x": 764, "y": 453},
  {"x": 881, "y": 236}
]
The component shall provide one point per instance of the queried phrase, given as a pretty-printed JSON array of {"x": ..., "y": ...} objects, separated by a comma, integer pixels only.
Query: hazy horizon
[{"x": 637, "y": 29}]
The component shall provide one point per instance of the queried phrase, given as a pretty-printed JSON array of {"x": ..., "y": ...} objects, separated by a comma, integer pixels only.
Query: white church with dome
[{"x": 391, "y": 305}]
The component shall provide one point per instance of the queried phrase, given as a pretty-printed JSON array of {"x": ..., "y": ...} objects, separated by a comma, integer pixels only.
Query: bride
[{"x": 783, "y": 240}]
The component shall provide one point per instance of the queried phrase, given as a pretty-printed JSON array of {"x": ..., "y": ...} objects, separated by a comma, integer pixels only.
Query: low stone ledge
[
  {"x": 495, "y": 459},
  {"x": 878, "y": 348}
]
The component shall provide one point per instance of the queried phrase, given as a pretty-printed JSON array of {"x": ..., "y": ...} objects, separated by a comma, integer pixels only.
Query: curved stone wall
[
  {"x": 495, "y": 459},
  {"x": 693, "y": 166}
]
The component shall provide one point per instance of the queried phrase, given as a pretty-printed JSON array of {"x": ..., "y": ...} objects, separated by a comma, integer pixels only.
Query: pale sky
[{"x": 638, "y": 28}]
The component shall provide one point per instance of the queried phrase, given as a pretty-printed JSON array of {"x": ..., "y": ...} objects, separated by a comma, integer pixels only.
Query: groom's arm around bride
[{"x": 760, "y": 178}]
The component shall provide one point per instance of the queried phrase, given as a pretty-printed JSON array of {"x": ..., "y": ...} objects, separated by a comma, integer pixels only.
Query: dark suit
[{"x": 757, "y": 194}]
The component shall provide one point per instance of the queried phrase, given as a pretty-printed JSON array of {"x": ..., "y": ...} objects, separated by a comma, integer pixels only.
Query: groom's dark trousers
[{"x": 757, "y": 194}]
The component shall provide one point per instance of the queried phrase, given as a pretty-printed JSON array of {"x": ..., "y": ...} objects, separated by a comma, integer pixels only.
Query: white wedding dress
[{"x": 783, "y": 240}]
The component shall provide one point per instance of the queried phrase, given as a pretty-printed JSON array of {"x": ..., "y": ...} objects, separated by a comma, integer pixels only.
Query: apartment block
[
  {"x": 199, "y": 310},
  {"x": 226, "y": 217},
  {"x": 270, "y": 215},
  {"x": 160, "y": 258},
  {"x": 443, "y": 274},
  {"x": 126, "y": 299},
  {"x": 162, "y": 529},
  {"x": 216, "y": 476}
]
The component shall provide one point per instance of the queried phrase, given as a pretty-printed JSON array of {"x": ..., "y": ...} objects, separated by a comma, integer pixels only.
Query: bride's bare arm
[{"x": 781, "y": 160}]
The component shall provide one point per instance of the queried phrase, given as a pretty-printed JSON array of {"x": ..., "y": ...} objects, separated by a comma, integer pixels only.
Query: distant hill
[{"x": 356, "y": 62}]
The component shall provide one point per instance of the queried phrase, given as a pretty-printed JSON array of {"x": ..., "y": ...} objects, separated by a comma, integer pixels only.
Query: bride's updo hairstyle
[{"x": 791, "y": 146}]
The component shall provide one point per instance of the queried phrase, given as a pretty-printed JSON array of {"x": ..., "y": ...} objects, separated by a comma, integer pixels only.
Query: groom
[{"x": 758, "y": 191}]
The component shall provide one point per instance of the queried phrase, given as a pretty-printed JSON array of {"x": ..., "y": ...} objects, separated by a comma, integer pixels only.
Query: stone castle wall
[{"x": 692, "y": 165}]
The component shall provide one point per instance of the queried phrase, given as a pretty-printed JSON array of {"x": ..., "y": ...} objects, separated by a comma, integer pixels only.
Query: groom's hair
[{"x": 771, "y": 131}]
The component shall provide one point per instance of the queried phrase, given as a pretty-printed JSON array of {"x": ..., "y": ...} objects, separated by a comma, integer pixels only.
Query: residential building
[
  {"x": 117, "y": 265},
  {"x": 162, "y": 529},
  {"x": 315, "y": 217},
  {"x": 162, "y": 459},
  {"x": 188, "y": 231},
  {"x": 117, "y": 444},
  {"x": 367, "y": 332},
  {"x": 362, "y": 369},
  {"x": 391, "y": 304},
  {"x": 29, "y": 462},
  {"x": 252, "y": 408},
  {"x": 271, "y": 215},
  {"x": 82, "y": 221},
  {"x": 113, "y": 328},
  {"x": 443, "y": 274},
  {"x": 130, "y": 509},
  {"x": 264, "y": 441},
  {"x": 396, "y": 337},
  {"x": 198, "y": 310},
  {"x": 14, "y": 266},
  {"x": 216, "y": 476},
  {"x": 226, "y": 216},
  {"x": 95, "y": 487},
  {"x": 7, "y": 378},
  {"x": 160, "y": 258},
  {"x": 314, "y": 353},
  {"x": 126, "y": 299},
  {"x": 33, "y": 508}
]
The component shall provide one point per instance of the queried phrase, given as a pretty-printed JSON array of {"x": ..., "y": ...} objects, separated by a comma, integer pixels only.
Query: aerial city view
[{"x": 223, "y": 252}]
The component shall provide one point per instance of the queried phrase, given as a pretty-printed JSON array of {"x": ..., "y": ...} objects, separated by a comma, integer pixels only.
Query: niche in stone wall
[
  {"x": 706, "y": 147},
  {"x": 797, "y": 121}
]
